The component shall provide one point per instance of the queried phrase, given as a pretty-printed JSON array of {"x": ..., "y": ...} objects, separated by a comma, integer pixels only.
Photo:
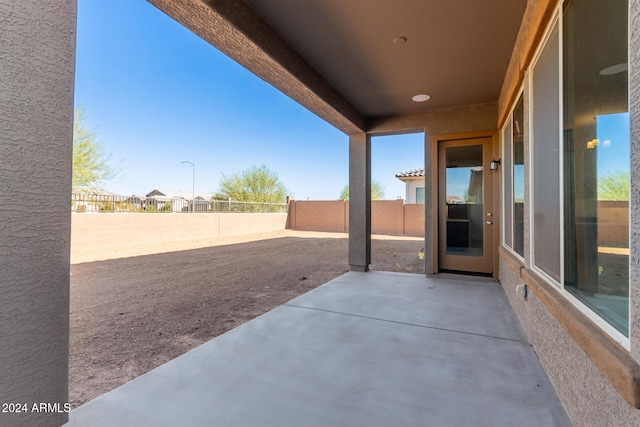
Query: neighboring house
[
  {"x": 414, "y": 185},
  {"x": 187, "y": 195},
  {"x": 180, "y": 200}
]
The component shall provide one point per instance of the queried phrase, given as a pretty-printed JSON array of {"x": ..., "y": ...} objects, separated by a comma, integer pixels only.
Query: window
[
  {"x": 514, "y": 180},
  {"x": 545, "y": 129},
  {"x": 518, "y": 177},
  {"x": 420, "y": 195},
  {"x": 596, "y": 157},
  {"x": 579, "y": 162},
  {"x": 507, "y": 169}
]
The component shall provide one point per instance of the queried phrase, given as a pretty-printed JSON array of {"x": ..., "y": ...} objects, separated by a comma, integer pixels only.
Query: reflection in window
[
  {"x": 518, "y": 178},
  {"x": 464, "y": 186},
  {"x": 596, "y": 158},
  {"x": 420, "y": 195}
]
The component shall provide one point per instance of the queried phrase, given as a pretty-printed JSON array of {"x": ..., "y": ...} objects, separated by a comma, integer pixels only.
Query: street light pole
[{"x": 193, "y": 191}]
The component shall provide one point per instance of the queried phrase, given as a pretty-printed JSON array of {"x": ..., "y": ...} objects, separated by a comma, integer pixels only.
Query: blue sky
[
  {"x": 155, "y": 94},
  {"x": 613, "y": 134}
]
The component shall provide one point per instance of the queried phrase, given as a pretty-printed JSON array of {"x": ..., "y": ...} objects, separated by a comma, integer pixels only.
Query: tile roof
[{"x": 410, "y": 174}]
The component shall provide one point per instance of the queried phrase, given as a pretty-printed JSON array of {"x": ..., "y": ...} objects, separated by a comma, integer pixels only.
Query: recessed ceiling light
[
  {"x": 614, "y": 69},
  {"x": 421, "y": 98},
  {"x": 400, "y": 40}
]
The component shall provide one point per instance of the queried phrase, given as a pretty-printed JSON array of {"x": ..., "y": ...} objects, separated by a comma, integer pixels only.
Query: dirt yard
[{"x": 136, "y": 307}]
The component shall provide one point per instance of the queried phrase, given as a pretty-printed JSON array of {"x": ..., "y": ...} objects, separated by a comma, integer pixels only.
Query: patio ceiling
[{"x": 344, "y": 61}]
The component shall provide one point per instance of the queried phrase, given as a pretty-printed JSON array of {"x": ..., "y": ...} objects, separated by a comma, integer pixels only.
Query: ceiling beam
[
  {"x": 468, "y": 118},
  {"x": 241, "y": 34}
]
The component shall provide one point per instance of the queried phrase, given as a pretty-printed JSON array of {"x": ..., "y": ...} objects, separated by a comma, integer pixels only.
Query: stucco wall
[
  {"x": 116, "y": 229},
  {"x": 634, "y": 242},
  {"x": 387, "y": 217},
  {"x": 588, "y": 397},
  {"x": 391, "y": 217},
  {"x": 319, "y": 215},
  {"x": 613, "y": 224},
  {"x": 414, "y": 220},
  {"x": 36, "y": 114}
]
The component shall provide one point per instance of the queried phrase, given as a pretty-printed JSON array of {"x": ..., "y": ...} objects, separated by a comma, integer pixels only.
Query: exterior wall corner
[{"x": 36, "y": 122}]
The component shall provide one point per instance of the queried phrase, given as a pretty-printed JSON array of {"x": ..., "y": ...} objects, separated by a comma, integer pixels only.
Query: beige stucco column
[
  {"x": 37, "y": 56},
  {"x": 359, "y": 202}
]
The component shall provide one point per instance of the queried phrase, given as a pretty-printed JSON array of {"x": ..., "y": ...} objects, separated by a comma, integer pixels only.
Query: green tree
[
  {"x": 256, "y": 184},
  {"x": 90, "y": 160},
  {"x": 377, "y": 191},
  {"x": 614, "y": 186}
]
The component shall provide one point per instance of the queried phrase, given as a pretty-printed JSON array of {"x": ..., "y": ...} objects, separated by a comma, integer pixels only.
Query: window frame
[
  {"x": 507, "y": 176},
  {"x": 508, "y": 171},
  {"x": 423, "y": 195},
  {"x": 605, "y": 326},
  {"x": 556, "y": 21},
  {"x": 609, "y": 329}
]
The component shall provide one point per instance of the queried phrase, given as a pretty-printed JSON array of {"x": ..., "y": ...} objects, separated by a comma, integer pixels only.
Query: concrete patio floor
[{"x": 365, "y": 349}]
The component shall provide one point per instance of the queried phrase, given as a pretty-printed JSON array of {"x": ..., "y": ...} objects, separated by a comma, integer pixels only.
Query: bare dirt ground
[{"x": 136, "y": 307}]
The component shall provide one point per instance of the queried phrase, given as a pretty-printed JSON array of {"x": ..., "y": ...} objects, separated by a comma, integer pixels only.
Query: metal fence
[{"x": 109, "y": 203}]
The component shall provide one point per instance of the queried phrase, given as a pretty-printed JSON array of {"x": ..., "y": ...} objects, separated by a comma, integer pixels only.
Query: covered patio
[
  {"x": 364, "y": 349},
  {"x": 374, "y": 348}
]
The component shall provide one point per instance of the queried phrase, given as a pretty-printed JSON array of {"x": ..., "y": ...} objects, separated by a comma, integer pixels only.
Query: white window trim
[
  {"x": 561, "y": 139},
  {"x": 511, "y": 172},
  {"x": 503, "y": 214},
  {"x": 629, "y": 15},
  {"x": 547, "y": 34},
  {"x": 599, "y": 321},
  {"x": 584, "y": 309}
]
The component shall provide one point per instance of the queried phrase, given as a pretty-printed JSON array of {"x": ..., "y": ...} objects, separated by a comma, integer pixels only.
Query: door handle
[{"x": 489, "y": 222}]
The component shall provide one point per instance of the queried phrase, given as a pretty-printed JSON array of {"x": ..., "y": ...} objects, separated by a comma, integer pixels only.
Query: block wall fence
[
  {"x": 392, "y": 217},
  {"x": 91, "y": 230}
]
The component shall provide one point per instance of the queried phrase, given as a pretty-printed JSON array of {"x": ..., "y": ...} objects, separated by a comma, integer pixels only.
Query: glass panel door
[
  {"x": 464, "y": 213},
  {"x": 464, "y": 200}
]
